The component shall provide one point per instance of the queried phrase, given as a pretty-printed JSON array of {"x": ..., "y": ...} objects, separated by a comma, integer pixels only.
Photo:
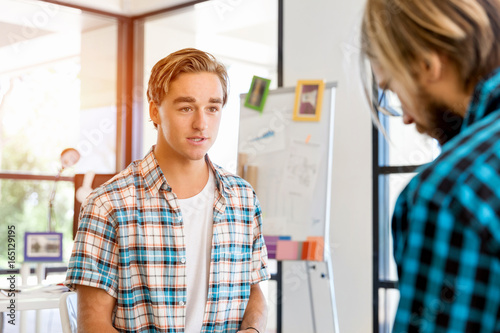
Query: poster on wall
[
  {"x": 308, "y": 100},
  {"x": 43, "y": 246},
  {"x": 257, "y": 95}
]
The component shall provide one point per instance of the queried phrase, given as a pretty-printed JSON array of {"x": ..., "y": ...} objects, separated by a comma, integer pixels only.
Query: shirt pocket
[
  {"x": 235, "y": 272},
  {"x": 233, "y": 287}
]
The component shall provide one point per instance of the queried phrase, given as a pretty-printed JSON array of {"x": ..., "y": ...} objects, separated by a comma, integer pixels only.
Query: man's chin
[
  {"x": 442, "y": 136},
  {"x": 421, "y": 130}
]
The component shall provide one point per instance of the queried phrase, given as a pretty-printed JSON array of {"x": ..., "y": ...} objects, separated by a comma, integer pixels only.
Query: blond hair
[
  {"x": 397, "y": 34},
  {"x": 187, "y": 60}
]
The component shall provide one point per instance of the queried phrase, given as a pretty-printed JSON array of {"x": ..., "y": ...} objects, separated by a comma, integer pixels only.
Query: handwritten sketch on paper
[
  {"x": 301, "y": 171},
  {"x": 261, "y": 135}
]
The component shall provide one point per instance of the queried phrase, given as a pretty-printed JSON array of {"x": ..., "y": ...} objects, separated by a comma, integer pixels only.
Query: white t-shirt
[{"x": 197, "y": 215}]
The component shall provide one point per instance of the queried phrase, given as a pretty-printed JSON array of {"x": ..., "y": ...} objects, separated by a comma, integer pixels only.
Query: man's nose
[
  {"x": 407, "y": 119},
  {"x": 200, "y": 121}
]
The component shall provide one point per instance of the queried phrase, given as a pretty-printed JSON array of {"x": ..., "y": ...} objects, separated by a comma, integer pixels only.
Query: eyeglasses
[{"x": 388, "y": 103}]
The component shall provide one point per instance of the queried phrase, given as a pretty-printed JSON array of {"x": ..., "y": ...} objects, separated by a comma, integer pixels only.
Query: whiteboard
[{"x": 294, "y": 165}]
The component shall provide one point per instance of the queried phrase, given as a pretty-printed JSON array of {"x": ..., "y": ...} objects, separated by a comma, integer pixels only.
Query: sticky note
[
  {"x": 271, "y": 242},
  {"x": 316, "y": 248},
  {"x": 287, "y": 250}
]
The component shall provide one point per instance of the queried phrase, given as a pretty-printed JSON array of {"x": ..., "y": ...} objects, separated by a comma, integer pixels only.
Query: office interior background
[{"x": 74, "y": 74}]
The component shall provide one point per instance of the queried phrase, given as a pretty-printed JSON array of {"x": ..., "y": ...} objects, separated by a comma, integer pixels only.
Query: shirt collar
[
  {"x": 485, "y": 99},
  {"x": 155, "y": 180},
  {"x": 222, "y": 182}
]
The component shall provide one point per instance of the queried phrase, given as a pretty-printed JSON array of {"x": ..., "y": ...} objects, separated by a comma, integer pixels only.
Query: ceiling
[
  {"x": 126, "y": 7},
  {"x": 38, "y": 21},
  {"x": 22, "y": 20}
]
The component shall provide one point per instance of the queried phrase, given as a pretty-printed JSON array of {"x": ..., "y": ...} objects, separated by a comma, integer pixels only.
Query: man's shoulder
[
  {"x": 472, "y": 149},
  {"x": 120, "y": 185},
  {"x": 471, "y": 157}
]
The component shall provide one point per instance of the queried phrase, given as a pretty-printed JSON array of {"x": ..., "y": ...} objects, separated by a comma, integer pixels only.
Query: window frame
[{"x": 381, "y": 217}]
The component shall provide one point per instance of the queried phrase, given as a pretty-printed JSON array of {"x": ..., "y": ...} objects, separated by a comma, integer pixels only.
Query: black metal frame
[
  {"x": 375, "y": 228},
  {"x": 379, "y": 203},
  {"x": 279, "y": 275},
  {"x": 48, "y": 270}
]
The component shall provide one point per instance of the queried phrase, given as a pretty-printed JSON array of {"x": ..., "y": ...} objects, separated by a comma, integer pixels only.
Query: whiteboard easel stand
[
  {"x": 326, "y": 249},
  {"x": 281, "y": 101},
  {"x": 313, "y": 316}
]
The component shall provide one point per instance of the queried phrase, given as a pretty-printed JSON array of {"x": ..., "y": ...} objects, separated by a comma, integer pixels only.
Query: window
[
  {"x": 242, "y": 34},
  {"x": 394, "y": 163},
  {"x": 57, "y": 90}
]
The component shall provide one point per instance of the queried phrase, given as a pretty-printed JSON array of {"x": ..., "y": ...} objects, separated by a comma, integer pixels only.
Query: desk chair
[{"x": 67, "y": 311}]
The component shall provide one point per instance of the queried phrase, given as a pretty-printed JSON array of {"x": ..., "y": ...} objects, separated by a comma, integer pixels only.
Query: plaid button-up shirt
[
  {"x": 131, "y": 243},
  {"x": 446, "y": 229}
]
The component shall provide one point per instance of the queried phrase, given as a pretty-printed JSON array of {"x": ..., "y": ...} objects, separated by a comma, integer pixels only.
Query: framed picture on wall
[
  {"x": 257, "y": 95},
  {"x": 308, "y": 100},
  {"x": 43, "y": 246}
]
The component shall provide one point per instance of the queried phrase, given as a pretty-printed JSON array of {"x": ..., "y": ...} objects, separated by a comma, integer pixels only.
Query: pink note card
[{"x": 287, "y": 250}]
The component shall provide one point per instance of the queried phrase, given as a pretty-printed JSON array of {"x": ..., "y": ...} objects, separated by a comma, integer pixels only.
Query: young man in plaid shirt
[
  {"x": 173, "y": 243},
  {"x": 442, "y": 59}
]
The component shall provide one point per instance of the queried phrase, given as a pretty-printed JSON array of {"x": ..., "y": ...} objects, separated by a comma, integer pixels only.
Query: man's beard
[{"x": 444, "y": 124}]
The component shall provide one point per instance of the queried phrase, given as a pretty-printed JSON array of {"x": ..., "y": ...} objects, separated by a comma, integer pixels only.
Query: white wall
[{"x": 320, "y": 41}]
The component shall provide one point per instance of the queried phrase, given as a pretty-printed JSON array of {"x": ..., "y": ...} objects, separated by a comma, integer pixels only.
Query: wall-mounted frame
[
  {"x": 257, "y": 95},
  {"x": 43, "y": 246},
  {"x": 308, "y": 100}
]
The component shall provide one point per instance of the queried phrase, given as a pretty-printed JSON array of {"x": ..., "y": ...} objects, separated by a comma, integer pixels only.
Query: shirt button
[
  {"x": 183, "y": 260},
  {"x": 182, "y": 303}
]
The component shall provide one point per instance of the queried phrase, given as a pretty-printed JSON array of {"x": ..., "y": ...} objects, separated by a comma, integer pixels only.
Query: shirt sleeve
[
  {"x": 94, "y": 260},
  {"x": 260, "y": 270}
]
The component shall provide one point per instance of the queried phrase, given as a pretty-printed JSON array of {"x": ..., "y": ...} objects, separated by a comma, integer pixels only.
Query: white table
[{"x": 31, "y": 298}]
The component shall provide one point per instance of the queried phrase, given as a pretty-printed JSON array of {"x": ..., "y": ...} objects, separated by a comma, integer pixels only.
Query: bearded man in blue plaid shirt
[{"x": 442, "y": 59}]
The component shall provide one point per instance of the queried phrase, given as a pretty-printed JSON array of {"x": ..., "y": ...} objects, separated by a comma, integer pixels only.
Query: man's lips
[{"x": 197, "y": 139}]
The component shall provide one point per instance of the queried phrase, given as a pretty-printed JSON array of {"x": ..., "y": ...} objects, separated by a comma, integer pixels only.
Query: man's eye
[
  {"x": 214, "y": 109},
  {"x": 186, "y": 109}
]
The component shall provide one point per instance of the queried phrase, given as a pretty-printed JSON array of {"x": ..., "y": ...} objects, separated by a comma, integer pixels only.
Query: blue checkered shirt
[{"x": 446, "y": 229}]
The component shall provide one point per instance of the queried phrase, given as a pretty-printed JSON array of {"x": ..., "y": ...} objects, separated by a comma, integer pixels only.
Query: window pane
[
  {"x": 388, "y": 304},
  {"x": 407, "y": 146},
  {"x": 39, "y": 114},
  {"x": 57, "y": 88},
  {"x": 241, "y": 34},
  {"x": 390, "y": 188},
  {"x": 25, "y": 205}
]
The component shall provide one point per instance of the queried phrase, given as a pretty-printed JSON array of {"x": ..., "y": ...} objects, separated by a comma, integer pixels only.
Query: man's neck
[{"x": 187, "y": 178}]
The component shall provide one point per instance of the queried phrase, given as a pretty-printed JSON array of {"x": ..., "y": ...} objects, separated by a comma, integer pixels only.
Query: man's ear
[
  {"x": 431, "y": 67},
  {"x": 154, "y": 113}
]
